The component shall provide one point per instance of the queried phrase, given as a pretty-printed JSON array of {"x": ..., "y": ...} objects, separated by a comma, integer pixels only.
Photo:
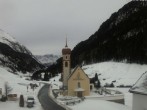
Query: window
[
  {"x": 66, "y": 64},
  {"x": 79, "y": 85}
]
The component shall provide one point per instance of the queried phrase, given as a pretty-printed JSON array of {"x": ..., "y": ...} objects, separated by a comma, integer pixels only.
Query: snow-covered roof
[
  {"x": 140, "y": 87},
  {"x": 79, "y": 89}
]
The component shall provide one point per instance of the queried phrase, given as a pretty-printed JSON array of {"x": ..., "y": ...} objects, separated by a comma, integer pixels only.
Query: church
[{"x": 75, "y": 83}]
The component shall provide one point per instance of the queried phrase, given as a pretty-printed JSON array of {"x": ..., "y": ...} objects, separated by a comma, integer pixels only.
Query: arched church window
[
  {"x": 79, "y": 85},
  {"x": 66, "y": 64}
]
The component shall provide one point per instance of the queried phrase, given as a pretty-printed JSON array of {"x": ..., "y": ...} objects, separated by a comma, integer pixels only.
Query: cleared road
[{"x": 46, "y": 102}]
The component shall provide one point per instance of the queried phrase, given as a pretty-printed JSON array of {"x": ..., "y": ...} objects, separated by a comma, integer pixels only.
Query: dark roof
[
  {"x": 66, "y": 51},
  {"x": 140, "y": 87}
]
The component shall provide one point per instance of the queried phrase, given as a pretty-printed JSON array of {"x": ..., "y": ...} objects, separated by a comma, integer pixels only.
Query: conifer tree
[
  {"x": 97, "y": 82},
  {"x": 46, "y": 77},
  {"x": 21, "y": 101}
]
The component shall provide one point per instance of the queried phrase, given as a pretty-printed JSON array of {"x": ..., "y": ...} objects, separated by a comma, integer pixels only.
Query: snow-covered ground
[
  {"x": 95, "y": 104},
  {"x": 126, "y": 74},
  {"x": 91, "y": 104},
  {"x": 19, "y": 85},
  {"x": 122, "y": 73}
]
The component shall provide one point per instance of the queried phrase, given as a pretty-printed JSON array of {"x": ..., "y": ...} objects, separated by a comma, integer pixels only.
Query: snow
[
  {"x": 123, "y": 73},
  {"x": 10, "y": 41},
  {"x": 19, "y": 86},
  {"x": 98, "y": 104},
  {"x": 5, "y": 37},
  {"x": 131, "y": 33},
  {"x": 141, "y": 85},
  {"x": 49, "y": 58}
]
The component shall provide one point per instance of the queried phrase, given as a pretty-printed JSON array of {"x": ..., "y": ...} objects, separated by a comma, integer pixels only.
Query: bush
[
  {"x": 4, "y": 98},
  {"x": 21, "y": 101}
]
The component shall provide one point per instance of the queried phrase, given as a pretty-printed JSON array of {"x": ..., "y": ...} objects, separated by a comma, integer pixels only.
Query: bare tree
[{"x": 8, "y": 89}]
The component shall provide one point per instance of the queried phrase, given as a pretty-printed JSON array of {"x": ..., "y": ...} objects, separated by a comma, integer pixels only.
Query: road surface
[{"x": 46, "y": 102}]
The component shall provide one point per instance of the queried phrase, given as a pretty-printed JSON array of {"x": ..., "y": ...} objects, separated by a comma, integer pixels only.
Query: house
[
  {"x": 78, "y": 83},
  {"x": 139, "y": 91},
  {"x": 12, "y": 97},
  {"x": 75, "y": 83}
]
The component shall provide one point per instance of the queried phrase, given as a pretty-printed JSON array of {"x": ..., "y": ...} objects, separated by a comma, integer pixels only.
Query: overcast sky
[{"x": 42, "y": 25}]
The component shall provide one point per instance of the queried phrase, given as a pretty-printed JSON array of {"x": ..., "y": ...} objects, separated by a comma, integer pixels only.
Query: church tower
[{"x": 66, "y": 52}]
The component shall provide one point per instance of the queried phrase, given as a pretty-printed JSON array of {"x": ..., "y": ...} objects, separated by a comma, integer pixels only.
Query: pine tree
[
  {"x": 112, "y": 85},
  {"x": 97, "y": 82},
  {"x": 46, "y": 77},
  {"x": 21, "y": 101},
  {"x": 96, "y": 77}
]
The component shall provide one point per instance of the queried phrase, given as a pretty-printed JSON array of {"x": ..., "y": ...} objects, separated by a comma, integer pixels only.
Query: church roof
[
  {"x": 66, "y": 50},
  {"x": 75, "y": 70},
  {"x": 140, "y": 87}
]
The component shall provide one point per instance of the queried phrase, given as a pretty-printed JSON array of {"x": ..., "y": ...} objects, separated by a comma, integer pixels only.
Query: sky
[{"x": 43, "y": 25}]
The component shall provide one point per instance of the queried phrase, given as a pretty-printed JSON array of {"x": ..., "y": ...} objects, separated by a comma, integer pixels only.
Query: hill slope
[
  {"x": 122, "y": 37},
  {"x": 16, "y": 56},
  {"x": 117, "y": 72},
  {"x": 121, "y": 73}
]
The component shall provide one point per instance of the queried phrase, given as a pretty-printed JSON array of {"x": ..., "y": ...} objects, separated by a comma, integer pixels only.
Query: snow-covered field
[
  {"x": 126, "y": 74},
  {"x": 122, "y": 73},
  {"x": 99, "y": 105},
  {"x": 96, "y": 104},
  {"x": 19, "y": 85}
]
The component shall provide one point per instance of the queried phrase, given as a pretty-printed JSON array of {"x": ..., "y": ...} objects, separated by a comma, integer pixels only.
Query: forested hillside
[{"x": 123, "y": 37}]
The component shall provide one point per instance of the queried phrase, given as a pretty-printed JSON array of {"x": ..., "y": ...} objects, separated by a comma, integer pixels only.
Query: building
[
  {"x": 139, "y": 91},
  {"x": 66, "y": 65},
  {"x": 75, "y": 83},
  {"x": 78, "y": 83}
]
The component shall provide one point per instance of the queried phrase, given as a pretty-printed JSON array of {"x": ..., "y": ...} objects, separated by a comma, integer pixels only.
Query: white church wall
[{"x": 139, "y": 102}]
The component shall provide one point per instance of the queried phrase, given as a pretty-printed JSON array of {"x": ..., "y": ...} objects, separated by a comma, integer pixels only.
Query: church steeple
[
  {"x": 66, "y": 52},
  {"x": 66, "y": 43}
]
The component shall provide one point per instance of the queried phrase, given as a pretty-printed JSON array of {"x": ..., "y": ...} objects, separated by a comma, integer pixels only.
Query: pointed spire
[{"x": 66, "y": 43}]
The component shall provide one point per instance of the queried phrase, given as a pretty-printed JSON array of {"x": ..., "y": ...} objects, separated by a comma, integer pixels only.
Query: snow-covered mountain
[
  {"x": 15, "y": 56},
  {"x": 10, "y": 41},
  {"x": 47, "y": 59}
]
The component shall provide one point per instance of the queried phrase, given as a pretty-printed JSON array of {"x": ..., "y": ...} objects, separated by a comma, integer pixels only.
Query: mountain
[
  {"x": 15, "y": 56},
  {"x": 47, "y": 59},
  {"x": 122, "y": 37}
]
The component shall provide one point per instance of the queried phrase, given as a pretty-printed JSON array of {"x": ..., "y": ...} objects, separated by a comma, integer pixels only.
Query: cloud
[{"x": 42, "y": 25}]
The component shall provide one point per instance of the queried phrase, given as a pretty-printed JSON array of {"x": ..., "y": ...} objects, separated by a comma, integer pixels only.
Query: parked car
[
  {"x": 30, "y": 104},
  {"x": 30, "y": 101},
  {"x": 31, "y": 98}
]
